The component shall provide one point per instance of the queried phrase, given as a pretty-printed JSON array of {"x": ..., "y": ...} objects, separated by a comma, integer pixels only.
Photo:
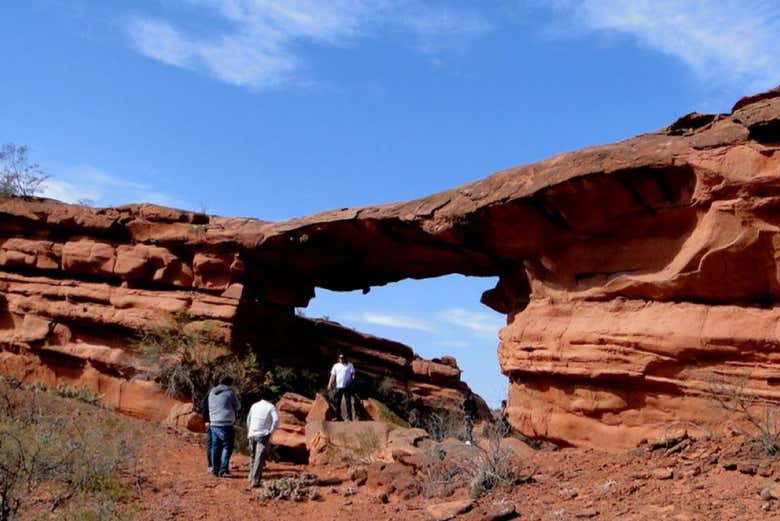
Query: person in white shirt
[
  {"x": 260, "y": 424},
  {"x": 341, "y": 376}
]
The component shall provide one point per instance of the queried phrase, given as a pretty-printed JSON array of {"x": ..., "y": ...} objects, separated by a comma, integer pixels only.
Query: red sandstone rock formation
[
  {"x": 78, "y": 284},
  {"x": 629, "y": 273}
]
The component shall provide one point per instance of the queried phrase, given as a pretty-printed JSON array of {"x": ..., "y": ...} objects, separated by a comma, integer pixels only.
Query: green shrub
[
  {"x": 183, "y": 355},
  {"x": 387, "y": 391},
  {"x": 78, "y": 393},
  {"x": 188, "y": 358}
]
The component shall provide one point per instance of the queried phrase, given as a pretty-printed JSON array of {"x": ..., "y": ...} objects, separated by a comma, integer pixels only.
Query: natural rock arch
[{"x": 628, "y": 272}]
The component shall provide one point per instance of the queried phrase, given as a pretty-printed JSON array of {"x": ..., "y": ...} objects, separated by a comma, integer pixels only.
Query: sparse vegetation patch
[
  {"x": 763, "y": 415},
  {"x": 302, "y": 487},
  {"x": 59, "y": 460}
]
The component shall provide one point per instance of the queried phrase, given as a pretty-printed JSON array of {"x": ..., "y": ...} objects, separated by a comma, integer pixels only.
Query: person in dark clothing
[
  {"x": 204, "y": 412},
  {"x": 470, "y": 414},
  {"x": 223, "y": 410},
  {"x": 504, "y": 428}
]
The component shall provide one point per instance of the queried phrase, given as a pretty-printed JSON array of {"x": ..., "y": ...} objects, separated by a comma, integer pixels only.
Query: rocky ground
[{"x": 684, "y": 479}]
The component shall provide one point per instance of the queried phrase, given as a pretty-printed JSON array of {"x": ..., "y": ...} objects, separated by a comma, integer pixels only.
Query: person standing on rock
[
  {"x": 341, "y": 376},
  {"x": 223, "y": 409},
  {"x": 260, "y": 424}
]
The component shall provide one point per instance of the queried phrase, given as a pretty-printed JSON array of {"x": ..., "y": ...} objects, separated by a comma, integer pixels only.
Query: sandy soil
[
  {"x": 691, "y": 484},
  {"x": 176, "y": 485}
]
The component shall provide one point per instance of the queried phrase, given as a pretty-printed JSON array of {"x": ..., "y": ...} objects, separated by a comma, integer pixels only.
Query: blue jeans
[{"x": 222, "y": 438}]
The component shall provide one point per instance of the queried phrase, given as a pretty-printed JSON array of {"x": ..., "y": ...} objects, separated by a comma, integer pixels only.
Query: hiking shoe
[{"x": 225, "y": 475}]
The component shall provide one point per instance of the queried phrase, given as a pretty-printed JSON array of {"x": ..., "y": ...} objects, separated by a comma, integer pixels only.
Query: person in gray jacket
[{"x": 223, "y": 409}]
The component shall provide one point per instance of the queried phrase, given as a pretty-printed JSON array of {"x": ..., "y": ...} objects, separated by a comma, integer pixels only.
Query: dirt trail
[
  {"x": 569, "y": 484},
  {"x": 176, "y": 485}
]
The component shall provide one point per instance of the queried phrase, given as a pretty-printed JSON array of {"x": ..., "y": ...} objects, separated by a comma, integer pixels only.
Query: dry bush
[
  {"x": 497, "y": 465},
  {"x": 58, "y": 459},
  {"x": 733, "y": 396},
  {"x": 440, "y": 424},
  {"x": 359, "y": 449},
  {"x": 478, "y": 468},
  {"x": 300, "y": 488},
  {"x": 367, "y": 445},
  {"x": 81, "y": 394},
  {"x": 386, "y": 414},
  {"x": 440, "y": 475}
]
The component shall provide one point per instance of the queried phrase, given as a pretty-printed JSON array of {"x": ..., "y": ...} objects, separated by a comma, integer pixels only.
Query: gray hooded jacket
[{"x": 223, "y": 406}]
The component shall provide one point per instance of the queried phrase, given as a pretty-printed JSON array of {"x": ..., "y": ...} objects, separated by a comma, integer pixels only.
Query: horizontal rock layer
[
  {"x": 631, "y": 275},
  {"x": 78, "y": 287}
]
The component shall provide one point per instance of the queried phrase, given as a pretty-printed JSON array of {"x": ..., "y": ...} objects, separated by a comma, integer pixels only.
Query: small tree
[{"x": 18, "y": 176}]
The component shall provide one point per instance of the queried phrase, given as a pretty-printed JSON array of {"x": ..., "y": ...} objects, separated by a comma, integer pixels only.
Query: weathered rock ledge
[{"x": 630, "y": 274}]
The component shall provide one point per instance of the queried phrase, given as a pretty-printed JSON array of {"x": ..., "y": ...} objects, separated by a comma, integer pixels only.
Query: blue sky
[{"x": 276, "y": 109}]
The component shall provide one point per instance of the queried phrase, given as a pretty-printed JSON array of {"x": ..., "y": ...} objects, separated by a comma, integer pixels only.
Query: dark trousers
[
  {"x": 208, "y": 448},
  {"x": 469, "y": 428},
  {"x": 222, "y": 438},
  {"x": 346, "y": 393}
]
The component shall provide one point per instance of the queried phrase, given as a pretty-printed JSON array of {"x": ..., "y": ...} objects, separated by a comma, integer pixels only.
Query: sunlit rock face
[
  {"x": 630, "y": 274},
  {"x": 78, "y": 285},
  {"x": 661, "y": 276}
]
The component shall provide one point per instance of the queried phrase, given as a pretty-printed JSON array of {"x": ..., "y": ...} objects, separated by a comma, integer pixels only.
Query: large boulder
[
  {"x": 289, "y": 439},
  {"x": 342, "y": 443}
]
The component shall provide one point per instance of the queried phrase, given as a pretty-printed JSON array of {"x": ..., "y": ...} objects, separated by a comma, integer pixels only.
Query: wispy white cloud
[
  {"x": 67, "y": 192},
  {"x": 259, "y": 48},
  {"x": 726, "y": 42},
  {"x": 485, "y": 325},
  {"x": 391, "y": 320},
  {"x": 161, "y": 41},
  {"x": 94, "y": 186},
  {"x": 454, "y": 343}
]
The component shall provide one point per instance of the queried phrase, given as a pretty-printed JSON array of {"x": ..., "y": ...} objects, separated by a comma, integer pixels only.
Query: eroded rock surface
[
  {"x": 78, "y": 285},
  {"x": 631, "y": 274}
]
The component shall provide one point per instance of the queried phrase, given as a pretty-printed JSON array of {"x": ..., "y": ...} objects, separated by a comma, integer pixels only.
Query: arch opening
[{"x": 436, "y": 317}]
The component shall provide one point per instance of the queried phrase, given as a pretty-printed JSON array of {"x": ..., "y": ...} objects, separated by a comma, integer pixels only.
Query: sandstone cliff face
[
  {"x": 629, "y": 273},
  {"x": 77, "y": 286}
]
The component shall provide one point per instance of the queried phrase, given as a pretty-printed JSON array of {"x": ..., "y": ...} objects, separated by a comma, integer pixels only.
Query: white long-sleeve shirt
[{"x": 262, "y": 420}]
